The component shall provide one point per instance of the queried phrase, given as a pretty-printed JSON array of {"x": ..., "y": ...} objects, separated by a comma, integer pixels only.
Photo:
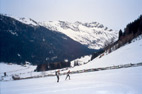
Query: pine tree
[{"x": 120, "y": 34}]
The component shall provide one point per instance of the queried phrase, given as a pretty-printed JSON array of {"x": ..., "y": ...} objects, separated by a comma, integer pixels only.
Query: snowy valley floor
[{"x": 118, "y": 81}]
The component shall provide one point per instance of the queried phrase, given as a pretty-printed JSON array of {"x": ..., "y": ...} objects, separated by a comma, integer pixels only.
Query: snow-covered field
[
  {"x": 123, "y": 81},
  {"x": 116, "y": 81}
]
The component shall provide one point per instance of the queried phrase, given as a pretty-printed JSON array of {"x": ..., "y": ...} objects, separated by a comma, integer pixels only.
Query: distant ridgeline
[{"x": 21, "y": 42}]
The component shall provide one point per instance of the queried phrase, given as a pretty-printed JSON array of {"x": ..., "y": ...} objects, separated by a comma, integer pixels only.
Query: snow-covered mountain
[
  {"x": 28, "y": 21},
  {"x": 94, "y": 35},
  {"x": 25, "y": 20}
]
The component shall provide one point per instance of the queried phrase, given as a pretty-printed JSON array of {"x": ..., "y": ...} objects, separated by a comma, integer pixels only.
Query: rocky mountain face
[
  {"x": 94, "y": 35},
  {"x": 21, "y": 42}
]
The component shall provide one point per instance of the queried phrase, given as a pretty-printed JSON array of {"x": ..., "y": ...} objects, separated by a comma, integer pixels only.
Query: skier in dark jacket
[
  {"x": 68, "y": 75},
  {"x": 57, "y": 75},
  {"x": 4, "y": 73}
]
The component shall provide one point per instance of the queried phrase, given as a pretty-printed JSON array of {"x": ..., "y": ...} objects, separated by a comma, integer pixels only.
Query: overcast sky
[{"x": 115, "y": 14}]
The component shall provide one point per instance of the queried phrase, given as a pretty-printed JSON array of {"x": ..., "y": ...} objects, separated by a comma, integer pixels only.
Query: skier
[
  {"x": 68, "y": 75},
  {"x": 4, "y": 73},
  {"x": 57, "y": 75}
]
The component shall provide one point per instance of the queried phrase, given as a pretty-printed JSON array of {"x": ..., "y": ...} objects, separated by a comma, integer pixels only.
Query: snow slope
[
  {"x": 130, "y": 53},
  {"x": 94, "y": 35}
]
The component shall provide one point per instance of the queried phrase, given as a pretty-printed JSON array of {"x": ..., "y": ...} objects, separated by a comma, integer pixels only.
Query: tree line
[
  {"x": 52, "y": 66},
  {"x": 132, "y": 30}
]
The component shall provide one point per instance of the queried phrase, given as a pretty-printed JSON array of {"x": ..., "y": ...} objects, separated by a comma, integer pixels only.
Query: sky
[{"x": 114, "y": 14}]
